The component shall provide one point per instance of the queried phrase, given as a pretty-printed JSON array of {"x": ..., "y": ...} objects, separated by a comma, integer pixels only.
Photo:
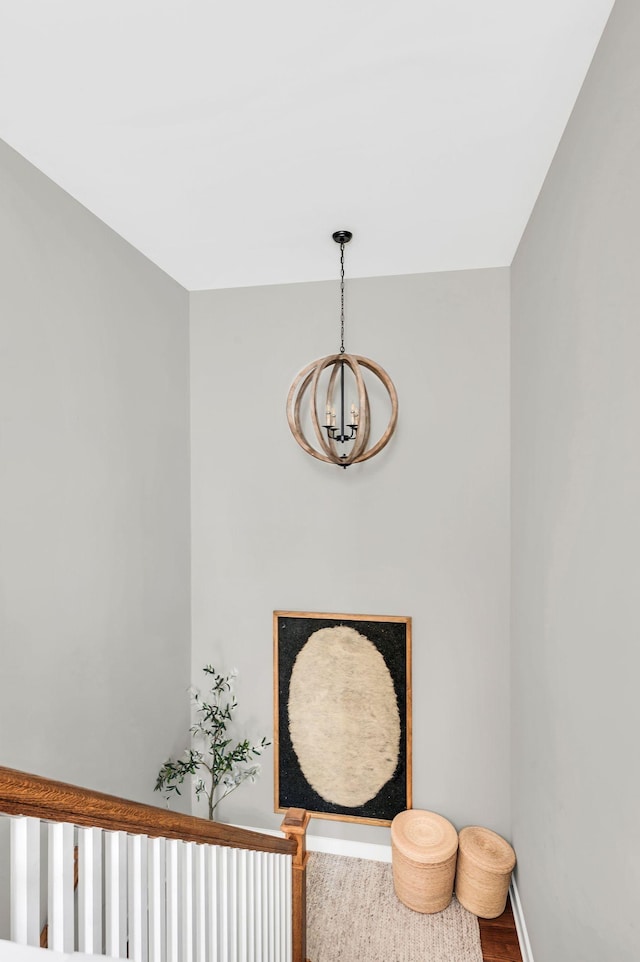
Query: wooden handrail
[{"x": 23, "y": 794}]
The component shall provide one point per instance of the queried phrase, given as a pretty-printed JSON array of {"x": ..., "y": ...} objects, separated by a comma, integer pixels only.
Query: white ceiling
[{"x": 226, "y": 141}]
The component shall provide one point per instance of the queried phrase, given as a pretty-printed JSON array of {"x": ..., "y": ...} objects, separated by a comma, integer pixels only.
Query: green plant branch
[{"x": 228, "y": 767}]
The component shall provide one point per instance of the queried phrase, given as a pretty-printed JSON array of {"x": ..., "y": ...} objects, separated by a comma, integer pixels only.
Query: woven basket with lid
[
  {"x": 424, "y": 848},
  {"x": 485, "y": 864}
]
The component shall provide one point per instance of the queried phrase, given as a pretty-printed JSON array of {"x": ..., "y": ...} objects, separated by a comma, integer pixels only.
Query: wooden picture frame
[{"x": 342, "y": 715}]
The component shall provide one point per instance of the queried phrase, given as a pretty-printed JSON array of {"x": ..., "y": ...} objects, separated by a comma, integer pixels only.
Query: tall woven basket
[
  {"x": 485, "y": 864},
  {"x": 424, "y": 847}
]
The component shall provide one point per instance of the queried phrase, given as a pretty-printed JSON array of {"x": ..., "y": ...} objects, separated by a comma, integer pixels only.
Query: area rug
[{"x": 353, "y": 915}]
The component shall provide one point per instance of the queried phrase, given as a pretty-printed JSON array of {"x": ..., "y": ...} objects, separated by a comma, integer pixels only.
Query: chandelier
[{"x": 335, "y": 385}]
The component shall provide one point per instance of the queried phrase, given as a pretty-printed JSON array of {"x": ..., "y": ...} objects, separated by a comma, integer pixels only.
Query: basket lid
[
  {"x": 487, "y": 849},
  {"x": 424, "y": 836}
]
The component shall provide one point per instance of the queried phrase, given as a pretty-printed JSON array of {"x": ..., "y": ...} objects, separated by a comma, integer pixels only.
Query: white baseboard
[
  {"x": 341, "y": 846},
  {"x": 336, "y": 846},
  {"x": 521, "y": 928}
]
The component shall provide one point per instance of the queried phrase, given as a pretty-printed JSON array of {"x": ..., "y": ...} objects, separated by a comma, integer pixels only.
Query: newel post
[{"x": 294, "y": 826}]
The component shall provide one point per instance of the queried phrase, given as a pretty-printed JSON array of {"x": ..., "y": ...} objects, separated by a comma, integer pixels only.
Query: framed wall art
[{"x": 342, "y": 715}]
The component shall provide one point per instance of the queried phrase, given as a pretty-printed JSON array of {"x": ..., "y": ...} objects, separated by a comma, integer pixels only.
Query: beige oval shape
[{"x": 343, "y": 716}]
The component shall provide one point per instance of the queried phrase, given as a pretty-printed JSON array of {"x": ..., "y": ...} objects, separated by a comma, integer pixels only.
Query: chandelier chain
[{"x": 342, "y": 298}]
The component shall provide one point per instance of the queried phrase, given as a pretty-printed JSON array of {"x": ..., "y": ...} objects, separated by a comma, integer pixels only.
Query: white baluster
[
  {"x": 277, "y": 907},
  {"x": 186, "y": 899},
  {"x": 115, "y": 895},
  {"x": 232, "y": 856},
  {"x": 282, "y": 905},
  {"x": 288, "y": 907},
  {"x": 250, "y": 908},
  {"x": 241, "y": 910},
  {"x": 25, "y": 880},
  {"x": 211, "y": 859},
  {"x": 272, "y": 908},
  {"x": 61, "y": 895},
  {"x": 223, "y": 895},
  {"x": 173, "y": 901},
  {"x": 137, "y": 896},
  {"x": 90, "y": 891},
  {"x": 156, "y": 896},
  {"x": 200, "y": 899},
  {"x": 264, "y": 906}
]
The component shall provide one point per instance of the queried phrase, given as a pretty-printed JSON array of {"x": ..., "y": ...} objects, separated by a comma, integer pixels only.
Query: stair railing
[{"x": 152, "y": 885}]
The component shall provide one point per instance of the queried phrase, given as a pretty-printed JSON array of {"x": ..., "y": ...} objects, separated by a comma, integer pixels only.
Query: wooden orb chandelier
[{"x": 322, "y": 385}]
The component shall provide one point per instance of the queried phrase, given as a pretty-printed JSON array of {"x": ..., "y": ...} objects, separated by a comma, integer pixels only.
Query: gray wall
[
  {"x": 576, "y": 525},
  {"x": 421, "y": 530},
  {"x": 94, "y": 495}
]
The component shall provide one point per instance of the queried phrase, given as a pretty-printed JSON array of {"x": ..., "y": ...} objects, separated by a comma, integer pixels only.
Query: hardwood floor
[{"x": 499, "y": 938}]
